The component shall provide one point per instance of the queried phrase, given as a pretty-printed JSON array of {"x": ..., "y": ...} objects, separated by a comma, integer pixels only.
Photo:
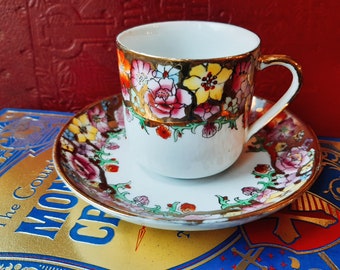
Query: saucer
[{"x": 278, "y": 164}]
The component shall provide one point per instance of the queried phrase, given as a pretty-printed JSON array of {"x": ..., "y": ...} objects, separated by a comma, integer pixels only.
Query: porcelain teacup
[{"x": 187, "y": 90}]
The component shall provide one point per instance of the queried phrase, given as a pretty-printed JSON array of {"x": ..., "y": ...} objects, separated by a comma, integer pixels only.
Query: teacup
[{"x": 187, "y": 90}]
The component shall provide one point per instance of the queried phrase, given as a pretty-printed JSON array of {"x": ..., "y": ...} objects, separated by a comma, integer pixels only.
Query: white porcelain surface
[
  {"x": 192, "y": 156},
  {"x": 189, "y": 39}
]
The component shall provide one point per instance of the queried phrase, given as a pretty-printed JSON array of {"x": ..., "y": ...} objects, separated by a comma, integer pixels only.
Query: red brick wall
[{"x": 60, "y": 55}]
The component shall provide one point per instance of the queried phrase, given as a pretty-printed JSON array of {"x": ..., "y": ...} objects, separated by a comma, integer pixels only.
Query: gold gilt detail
[{"x": 331, "y": 159}]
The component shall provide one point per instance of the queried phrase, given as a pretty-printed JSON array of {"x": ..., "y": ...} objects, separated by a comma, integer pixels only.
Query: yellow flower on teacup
[{"x": 207, "y": 81}]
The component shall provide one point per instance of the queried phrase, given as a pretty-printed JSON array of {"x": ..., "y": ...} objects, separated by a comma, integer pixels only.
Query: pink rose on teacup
[{"x": 165, "y": 100}]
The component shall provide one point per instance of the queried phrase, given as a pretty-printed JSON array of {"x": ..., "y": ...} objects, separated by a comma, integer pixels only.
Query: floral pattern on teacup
[
  {"x": 165, "y": 100},
  {"x": 207, "y": 81},
  {"x": 184, "y": 96}
]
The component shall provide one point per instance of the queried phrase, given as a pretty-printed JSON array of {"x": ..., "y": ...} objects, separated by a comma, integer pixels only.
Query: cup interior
[{"x": 189, "y": 40}]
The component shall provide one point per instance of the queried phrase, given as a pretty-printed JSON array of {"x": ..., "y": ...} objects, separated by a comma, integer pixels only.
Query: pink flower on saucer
[
  {"x": 283, "y": 130},
  {"x": 165, "y": 100},
  {"x": 291, "y": 161},
  {"x": 98, "y": 119},
  {"x": 250, "y": 191},
  {"x": 83, "y": 166},
  {"x": 263, "y": 196},
  {"x": 119, "y": 116},
  {"x": 141, "y": 200}
]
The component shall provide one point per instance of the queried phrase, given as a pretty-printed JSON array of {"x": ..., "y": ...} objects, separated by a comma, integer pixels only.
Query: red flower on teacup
[
  {"x": 163, "y": 131},
  {"x": 165, "y": 100}
]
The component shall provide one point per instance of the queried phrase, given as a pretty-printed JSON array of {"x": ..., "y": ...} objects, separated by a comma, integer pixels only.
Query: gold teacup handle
[{"x": 265, "y": 61}]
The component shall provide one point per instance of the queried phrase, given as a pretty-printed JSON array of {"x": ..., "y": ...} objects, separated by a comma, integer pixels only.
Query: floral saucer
[{"x": 278, "y": 164}]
